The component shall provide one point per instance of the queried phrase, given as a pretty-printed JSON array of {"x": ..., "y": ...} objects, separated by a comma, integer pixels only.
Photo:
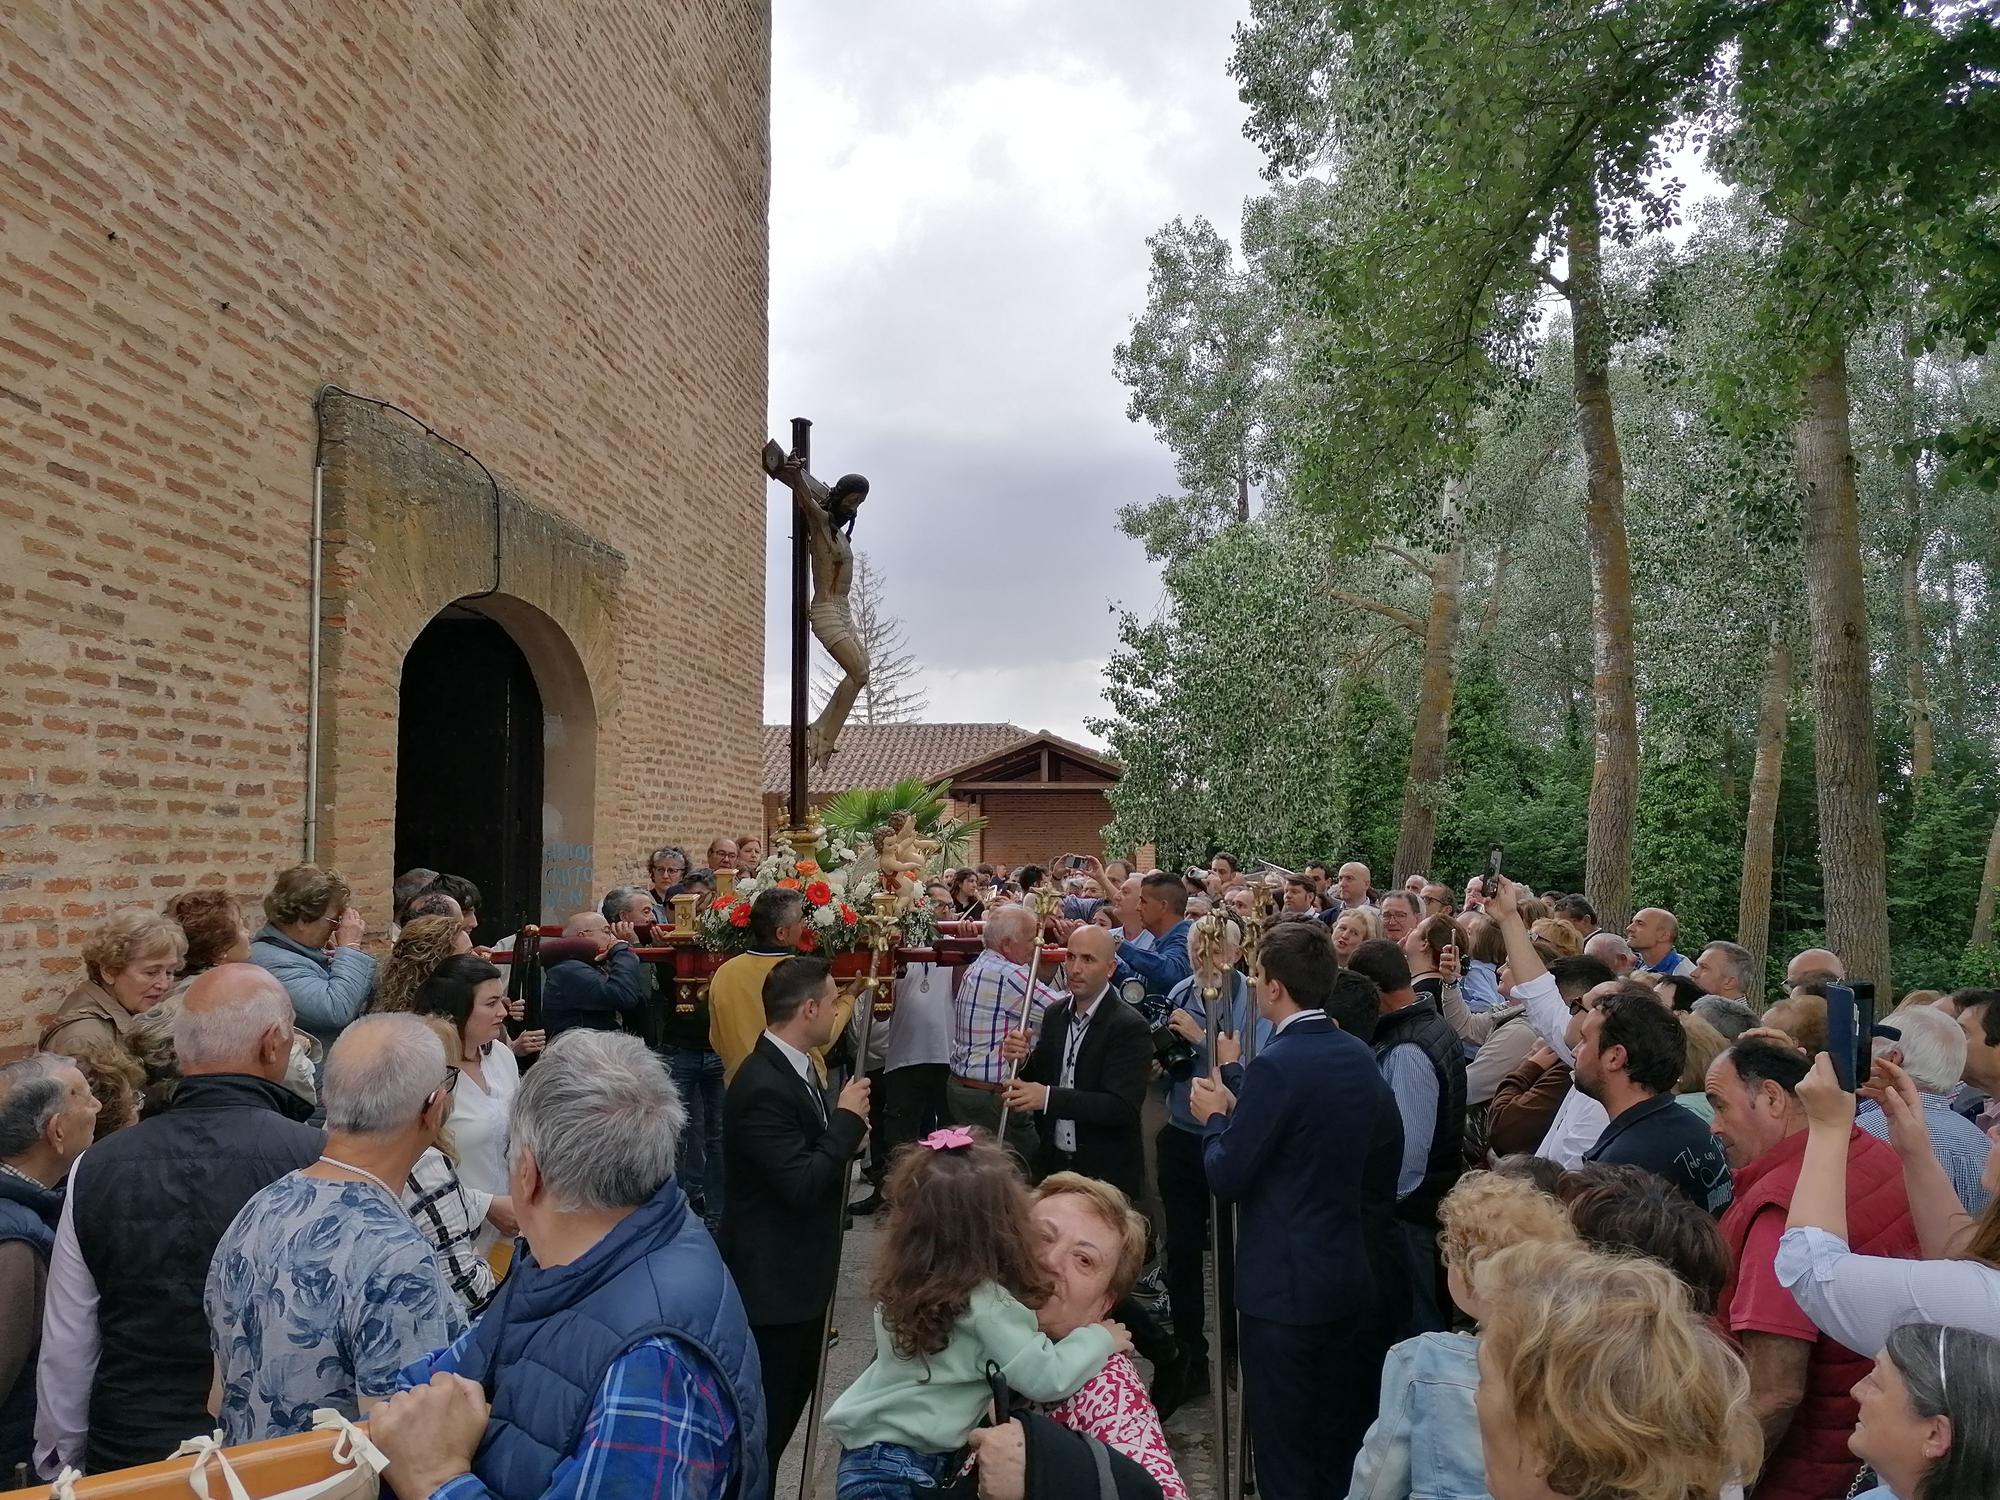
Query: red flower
[
  {"x": 847, "y": 914},
  {"x": 819, "y": 893},
  {"x": 739, "y": 914},
  {"x": 808, "y": 941}
]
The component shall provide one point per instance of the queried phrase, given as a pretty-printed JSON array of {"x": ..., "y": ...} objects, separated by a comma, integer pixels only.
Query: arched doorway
[{"x": 469, "y": 765}]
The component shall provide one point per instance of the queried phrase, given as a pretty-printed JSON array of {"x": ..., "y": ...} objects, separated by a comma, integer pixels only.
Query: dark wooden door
[{"x": 469, "y": 767}]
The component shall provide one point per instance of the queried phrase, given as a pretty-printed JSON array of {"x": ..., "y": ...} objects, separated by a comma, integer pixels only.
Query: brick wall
[
  {"x": 538, "y": 225},
  {"x": 1030, "y": 827}
]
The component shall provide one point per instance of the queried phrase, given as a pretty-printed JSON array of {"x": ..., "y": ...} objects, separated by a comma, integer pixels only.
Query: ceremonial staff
[
  {"x": 1237, "y": 1454},
  {"x": 1206, "y": 945},
  {"x": 882, "y": 934},
  {"x": 1044, "y": 900}
]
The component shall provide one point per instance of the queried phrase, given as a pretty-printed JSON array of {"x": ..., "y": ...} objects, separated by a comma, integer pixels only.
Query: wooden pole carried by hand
[
  {"x": 1205, "y": 945},
  {"x": 1236, "y": 1454},
  {"x": 1045, "y": 902}
]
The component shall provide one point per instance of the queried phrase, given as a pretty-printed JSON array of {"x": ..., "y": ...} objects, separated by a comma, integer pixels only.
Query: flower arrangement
[{"x": 833, "y": 926}]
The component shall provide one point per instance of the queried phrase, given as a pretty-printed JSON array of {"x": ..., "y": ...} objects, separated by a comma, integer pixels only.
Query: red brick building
[
  {"x": 513, "y": 629},
  {"x": 1040, "y": 794}
]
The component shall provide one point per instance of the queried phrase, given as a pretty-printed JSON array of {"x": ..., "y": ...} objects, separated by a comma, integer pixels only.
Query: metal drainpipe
[{"x": 312, "y": 667}]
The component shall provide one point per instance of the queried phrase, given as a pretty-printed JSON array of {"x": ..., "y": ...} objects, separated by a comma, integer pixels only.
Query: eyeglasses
[{"x": 447, "y": 1088}]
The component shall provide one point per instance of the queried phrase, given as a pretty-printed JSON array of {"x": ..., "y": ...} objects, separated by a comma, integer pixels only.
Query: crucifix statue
[{"x": 822, "y": 547}]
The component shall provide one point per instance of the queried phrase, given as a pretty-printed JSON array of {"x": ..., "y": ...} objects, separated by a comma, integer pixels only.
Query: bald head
[
  {"x": 1352, "y": 882},
  {"x": 1815, "y": 965},
  {"x": 1093, "y": 957},
  {"x": 235, "y": 1018},
  {"x": 1652, "y": 931}
]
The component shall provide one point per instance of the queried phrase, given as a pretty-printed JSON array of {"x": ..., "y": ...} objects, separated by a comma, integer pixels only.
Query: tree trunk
[
  {"x": 1614, "y": 781},
  {"x": 1433, "y": 723},
  {"x": 1982, "y": 915},
  {"x": 1753, "y": 904},
  {"x": 1923, "y": 746},
  {"x": 1954, "y": 664},
  {"x": 1850, "y": 821},
  {"x": 1489, "y": 613}
]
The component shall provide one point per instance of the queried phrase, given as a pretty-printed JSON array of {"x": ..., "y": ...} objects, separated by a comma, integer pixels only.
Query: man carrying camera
[{"x": 1184, "y": 1199}]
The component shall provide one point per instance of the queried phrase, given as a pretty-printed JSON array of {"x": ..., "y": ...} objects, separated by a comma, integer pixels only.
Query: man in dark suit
[
  {"x": 785, "y": 1155},
  {"x": 1292, "y": 1155},
  {"x": 1086, "y": 1076}
]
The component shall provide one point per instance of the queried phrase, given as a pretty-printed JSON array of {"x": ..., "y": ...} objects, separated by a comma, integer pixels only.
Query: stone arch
[{"x": 410, "y": 525}]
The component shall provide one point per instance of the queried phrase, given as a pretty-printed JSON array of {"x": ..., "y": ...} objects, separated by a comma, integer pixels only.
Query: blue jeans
[
  {"x": 889, "y": 1471},
  {"x": 697, "y": 1073}
]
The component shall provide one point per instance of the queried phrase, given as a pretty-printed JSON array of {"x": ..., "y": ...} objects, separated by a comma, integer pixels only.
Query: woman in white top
[
  {"x": 1858, "y": 1299},
  {"x": 470, "y": 993}
]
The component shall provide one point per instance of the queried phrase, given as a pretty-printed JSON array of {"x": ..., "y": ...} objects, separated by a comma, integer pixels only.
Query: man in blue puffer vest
[{"x": 616, "y": 1360}]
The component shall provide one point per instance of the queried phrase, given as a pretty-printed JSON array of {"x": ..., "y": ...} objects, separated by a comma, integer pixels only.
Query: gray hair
[
  {"x": 621, "y": 896},
  {"x": 1009, "y": 923},
  {"x": 381, "y": 1072},
  {"x": 1607, "y": 946},
  {"x": 603, "y": 1117},
  {"x": 32, "y": 1093},
  {"x": 1932, "y": 1046},
  {"x": 1739, "y": 962},
  {"x": 1730, "y": 1017},
  {"x": 222, "y": 1033},
  {"x": 1953, "y": 1373}
]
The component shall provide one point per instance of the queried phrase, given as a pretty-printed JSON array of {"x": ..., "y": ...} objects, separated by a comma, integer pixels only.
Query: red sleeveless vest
[{"x": 1812, "y": 1462}]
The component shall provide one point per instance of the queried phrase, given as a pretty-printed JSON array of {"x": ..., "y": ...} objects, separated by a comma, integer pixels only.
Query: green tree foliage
[
  {"x": 1220, "y": 707},
  {"x": 1411, "y": 279}
]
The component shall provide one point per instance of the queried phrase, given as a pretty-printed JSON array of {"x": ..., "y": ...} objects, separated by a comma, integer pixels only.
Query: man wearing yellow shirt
[{"x": 736, "y": 993}]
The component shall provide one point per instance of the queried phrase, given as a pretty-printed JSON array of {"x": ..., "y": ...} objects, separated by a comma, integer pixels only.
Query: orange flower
[
  {"x": 819, "y": 893},
  {"x": 788, "y": 884},
  {"x": 808, "y": 867}
]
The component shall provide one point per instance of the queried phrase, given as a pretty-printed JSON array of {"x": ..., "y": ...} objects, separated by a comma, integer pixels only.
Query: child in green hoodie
[{"x": 956, "y": 1284}]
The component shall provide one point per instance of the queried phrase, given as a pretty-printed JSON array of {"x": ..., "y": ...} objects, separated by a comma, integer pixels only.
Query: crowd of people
[{"x": 1470, "y": 1195}]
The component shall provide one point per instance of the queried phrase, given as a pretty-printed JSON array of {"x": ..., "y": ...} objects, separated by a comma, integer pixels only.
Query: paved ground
[{"x": 1189, "y": 1431}]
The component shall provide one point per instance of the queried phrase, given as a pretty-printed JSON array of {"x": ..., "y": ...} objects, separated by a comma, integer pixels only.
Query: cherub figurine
[{"x": 900, "y": 855}]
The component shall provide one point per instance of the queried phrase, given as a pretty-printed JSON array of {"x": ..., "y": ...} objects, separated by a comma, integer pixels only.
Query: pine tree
[{"x": 893, "y": 695}]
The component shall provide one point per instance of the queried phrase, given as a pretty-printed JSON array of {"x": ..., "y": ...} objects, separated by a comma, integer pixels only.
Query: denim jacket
[{"x": 1424, "y": 1444}]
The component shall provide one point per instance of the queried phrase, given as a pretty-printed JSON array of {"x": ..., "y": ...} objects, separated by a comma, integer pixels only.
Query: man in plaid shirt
[
  {"x": 992, "y": 1000},
  {"x": 545, "y": 1398}
]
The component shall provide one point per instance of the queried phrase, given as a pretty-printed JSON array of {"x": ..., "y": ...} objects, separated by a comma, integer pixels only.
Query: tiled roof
[{"x": 883, "y": 754}]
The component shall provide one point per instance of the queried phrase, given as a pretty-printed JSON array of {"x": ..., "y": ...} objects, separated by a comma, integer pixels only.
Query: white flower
[
  {"x": 837, "y": 880},
  {"x": 825, "y": 916}
]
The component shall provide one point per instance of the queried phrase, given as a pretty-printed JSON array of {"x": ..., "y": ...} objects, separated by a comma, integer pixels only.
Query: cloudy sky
[{"x": 960, "y": 201}]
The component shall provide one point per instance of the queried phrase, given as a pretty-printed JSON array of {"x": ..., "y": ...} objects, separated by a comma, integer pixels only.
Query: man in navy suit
[
  {"x": 785, "y": 1153},
  {"x": 1292, "y": 1154}
]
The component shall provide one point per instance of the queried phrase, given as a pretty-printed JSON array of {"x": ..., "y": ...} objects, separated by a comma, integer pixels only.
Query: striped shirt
[
  {"x": 1959, "y": 1145},
  {"x": 450, "y": 1215},
  {"x": 989, "y": 1004},
  {"x": 661, "y": 1424}
]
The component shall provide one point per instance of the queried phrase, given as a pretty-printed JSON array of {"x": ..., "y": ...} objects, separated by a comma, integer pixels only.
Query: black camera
[{"x": 1174, "y": 1054}]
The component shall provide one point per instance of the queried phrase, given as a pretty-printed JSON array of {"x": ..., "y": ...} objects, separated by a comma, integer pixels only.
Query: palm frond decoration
[{"x": 855, "y": 814}]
